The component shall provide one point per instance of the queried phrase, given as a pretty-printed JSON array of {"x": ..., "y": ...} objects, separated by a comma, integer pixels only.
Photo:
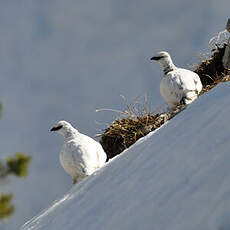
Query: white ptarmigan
[
  {"x": 80, "y": 155},
  {"x": 178, "y": 86}
]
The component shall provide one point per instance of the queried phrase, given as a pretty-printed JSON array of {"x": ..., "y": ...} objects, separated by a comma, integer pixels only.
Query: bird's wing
[
  {"x": 71, "y": 159},
  {"x": 187, "y": 80},
  {"x": 89, "y": 152},
  {"x": 76, "y": 151},
  {"x": 174, "y": 82}
]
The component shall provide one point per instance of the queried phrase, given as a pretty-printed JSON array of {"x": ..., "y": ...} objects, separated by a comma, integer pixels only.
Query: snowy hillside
[{"x": 177, "y": 178}]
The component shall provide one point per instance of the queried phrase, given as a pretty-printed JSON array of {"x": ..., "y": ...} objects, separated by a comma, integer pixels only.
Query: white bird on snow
[
  {"x": 80, "y": 155},
  {"x": 178, "y": 86}
]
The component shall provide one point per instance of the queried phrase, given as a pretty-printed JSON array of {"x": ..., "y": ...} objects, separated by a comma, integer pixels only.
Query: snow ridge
[{"x": 177, "y": 179}]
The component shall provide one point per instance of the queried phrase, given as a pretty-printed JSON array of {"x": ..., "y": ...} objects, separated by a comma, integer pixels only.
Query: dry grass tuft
[
  {"x": 211, "y": 70},
  {"x": 124, "y": 132}
]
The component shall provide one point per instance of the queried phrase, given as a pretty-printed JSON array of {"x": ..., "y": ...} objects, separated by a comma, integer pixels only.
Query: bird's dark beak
[
  {"x": 155, "y": 58},
  {"x": 56, "y": 128}
]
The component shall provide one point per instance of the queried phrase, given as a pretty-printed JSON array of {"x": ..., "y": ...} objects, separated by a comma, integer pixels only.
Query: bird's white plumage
[
  {"x": 80, "y": 155},
  {"x": 177, "y": 85}
]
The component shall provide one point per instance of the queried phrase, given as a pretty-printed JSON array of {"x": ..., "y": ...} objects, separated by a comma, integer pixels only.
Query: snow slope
[{"x": 177, "y": 178}]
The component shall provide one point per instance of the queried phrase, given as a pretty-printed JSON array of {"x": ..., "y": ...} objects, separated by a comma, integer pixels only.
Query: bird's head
[
  {"x": 62, "y": 127},
  {"x": 160, "y": 56},
  {"x": 164, "y": 60}
]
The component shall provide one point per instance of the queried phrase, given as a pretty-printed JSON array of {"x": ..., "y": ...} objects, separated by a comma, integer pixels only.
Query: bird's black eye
[{"x": 56, "y": 128}]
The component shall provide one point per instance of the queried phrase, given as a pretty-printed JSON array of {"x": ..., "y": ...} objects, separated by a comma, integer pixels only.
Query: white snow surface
[
  {"x": 177, "y": 178},
  {"x": 80, "y": 156},
  {"x": 178, "y": 85}
]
